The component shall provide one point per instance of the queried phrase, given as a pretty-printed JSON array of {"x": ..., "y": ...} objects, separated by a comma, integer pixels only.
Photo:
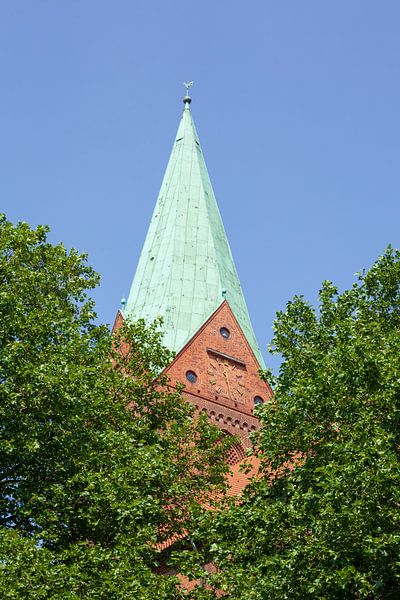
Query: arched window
[{"x": 236, "y": 453}]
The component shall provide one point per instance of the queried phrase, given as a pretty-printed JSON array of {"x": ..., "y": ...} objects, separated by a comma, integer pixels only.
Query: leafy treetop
[
  {"x": 100, "y": 461},
  {"x": 330, "y": 527}
]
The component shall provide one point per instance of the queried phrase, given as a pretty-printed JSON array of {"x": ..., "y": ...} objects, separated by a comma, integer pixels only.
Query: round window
[
  {"x": 191, "y": 376},
  {"x": 258, "y": 401},
  {"x": 226, "y": 334}
]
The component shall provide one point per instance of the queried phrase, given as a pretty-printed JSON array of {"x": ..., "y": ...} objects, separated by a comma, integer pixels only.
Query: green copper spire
[{"x": 186, "y": 269}]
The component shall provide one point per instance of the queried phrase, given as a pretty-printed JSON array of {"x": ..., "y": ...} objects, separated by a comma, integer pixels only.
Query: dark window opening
[
  {"x": 226, "y": 334},
  {"x": 191, "y": 376}
]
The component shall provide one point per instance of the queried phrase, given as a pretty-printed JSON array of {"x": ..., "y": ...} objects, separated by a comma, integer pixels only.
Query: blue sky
[{"x": 296, "y": 105}]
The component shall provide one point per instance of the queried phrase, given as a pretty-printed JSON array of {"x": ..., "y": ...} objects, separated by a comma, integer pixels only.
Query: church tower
[{"x": 186, "y": 274}]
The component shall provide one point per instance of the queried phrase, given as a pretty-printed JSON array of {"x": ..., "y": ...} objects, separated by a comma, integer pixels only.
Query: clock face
[{"x": 226, "y": 379}]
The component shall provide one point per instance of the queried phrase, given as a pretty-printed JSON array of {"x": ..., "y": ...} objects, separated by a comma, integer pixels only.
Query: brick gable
[{"x": 226, "y": 374}]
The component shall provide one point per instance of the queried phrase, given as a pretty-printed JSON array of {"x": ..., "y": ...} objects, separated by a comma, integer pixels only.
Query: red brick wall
[{"x": 227, "y": 374}]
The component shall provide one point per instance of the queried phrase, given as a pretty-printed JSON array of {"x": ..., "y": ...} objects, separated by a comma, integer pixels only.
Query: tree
[
  {"x": 323, "y": 519},
  {"x": 100, "y": 460}
]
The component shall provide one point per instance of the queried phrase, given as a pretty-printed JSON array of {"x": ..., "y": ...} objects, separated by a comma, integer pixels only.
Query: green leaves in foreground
[
  {"x": 102, "y": 462},
  {"x": 99, "y": 462},
  {"x": 328, "y": 528}
]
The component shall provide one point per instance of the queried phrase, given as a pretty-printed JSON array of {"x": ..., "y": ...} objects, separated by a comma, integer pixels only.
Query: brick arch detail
[
  {"x": 222, "y": 419},
  {"x": 236, "y": 452}
]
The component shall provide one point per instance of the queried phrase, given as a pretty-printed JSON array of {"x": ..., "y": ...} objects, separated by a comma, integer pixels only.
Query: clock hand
[{"x": 227, "y": 383}]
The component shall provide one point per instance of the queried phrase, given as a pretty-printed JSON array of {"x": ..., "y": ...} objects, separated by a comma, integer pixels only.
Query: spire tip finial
[{"x": 187, "y": 99}]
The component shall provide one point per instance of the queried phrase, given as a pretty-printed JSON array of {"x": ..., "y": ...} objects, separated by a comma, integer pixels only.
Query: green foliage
[
  {"x": 324, "y": 520},
  {"x": 100, "y": 460}
]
